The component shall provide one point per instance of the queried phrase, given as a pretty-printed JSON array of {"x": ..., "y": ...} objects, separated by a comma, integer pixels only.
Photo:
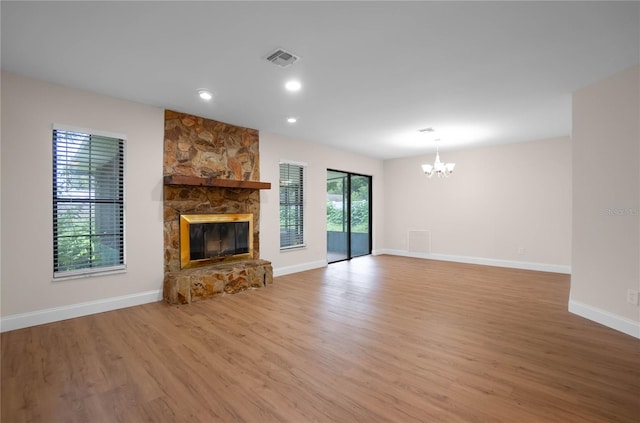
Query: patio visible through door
[{"x": 348, "y": 215}]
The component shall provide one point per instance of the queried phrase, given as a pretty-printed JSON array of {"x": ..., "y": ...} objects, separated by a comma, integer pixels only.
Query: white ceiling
[{"x": 373, "y": 73}]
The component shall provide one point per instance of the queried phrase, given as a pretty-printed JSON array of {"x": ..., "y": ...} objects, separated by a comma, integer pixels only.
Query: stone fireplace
[{"x": 211, "y": 191}]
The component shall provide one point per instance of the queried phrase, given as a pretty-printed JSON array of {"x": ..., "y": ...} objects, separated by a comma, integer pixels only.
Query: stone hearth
[
  {"x": 200, "y": 151},
  {"x": 191, "y": 285}
]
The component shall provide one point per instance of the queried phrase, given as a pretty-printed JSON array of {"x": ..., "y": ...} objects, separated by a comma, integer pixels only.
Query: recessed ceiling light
[
  {"x": 293, "y": 86},
  {"x": 292, "y": 119},
  {"x": 205, "y": 94}
]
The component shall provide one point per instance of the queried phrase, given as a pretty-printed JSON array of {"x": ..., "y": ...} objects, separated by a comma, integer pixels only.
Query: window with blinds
[
  {"x": 88, "y": 203},
  {"x": 291, "y": 205}
]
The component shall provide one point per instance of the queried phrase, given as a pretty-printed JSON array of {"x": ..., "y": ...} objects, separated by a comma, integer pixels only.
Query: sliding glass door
[{"x": 348, "y": 215}]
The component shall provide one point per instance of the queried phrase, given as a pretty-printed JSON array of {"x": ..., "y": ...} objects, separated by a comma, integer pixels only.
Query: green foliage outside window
[
  {"x": 336, "y": 218},
  {"x": 359, "y": 217}
]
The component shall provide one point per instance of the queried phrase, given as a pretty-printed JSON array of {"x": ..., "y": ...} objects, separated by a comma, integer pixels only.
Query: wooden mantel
[{"x": 214, "y": 182}]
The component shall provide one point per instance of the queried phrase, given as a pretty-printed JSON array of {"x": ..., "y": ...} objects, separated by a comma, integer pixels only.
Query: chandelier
[{"x": 438, "y": 168}]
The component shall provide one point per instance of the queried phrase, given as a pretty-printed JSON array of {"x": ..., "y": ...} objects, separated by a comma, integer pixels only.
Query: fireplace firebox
[{"x": 213, "y": 238}]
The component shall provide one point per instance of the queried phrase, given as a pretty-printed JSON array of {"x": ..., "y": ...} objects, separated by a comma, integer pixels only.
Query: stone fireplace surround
[{"x": 210, "y": 167}]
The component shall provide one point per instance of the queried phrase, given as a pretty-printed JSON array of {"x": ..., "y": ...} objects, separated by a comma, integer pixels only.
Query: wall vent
[{"x": 282, "y": 58}]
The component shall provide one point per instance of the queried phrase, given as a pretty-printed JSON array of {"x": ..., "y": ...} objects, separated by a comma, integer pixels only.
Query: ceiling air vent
[{"x": 282, "y": 58}]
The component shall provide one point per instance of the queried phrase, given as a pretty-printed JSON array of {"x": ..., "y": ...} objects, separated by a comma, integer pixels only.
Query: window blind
[
  {"x": 88, "y": 203},
  {"x": 291, "y": 205}
]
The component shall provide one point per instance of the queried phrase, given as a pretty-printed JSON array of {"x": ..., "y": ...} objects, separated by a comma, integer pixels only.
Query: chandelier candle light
[{"x": 438, "y": 168}]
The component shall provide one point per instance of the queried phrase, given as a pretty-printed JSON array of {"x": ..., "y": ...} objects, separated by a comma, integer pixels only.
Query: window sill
[
  {"x": 293, "y": 248},
  {"x": 83, "y": 275}
]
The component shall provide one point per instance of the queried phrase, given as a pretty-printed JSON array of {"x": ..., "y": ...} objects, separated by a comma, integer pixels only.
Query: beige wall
[
  {"x": 29, "y": 109},
  {"x": 499, "y": 199},
  {"x": 273, "y": 149},
  {"x": 606, "y": 200}
]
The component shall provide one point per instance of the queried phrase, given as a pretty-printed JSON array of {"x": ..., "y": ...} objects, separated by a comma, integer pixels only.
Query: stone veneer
[
  {"x": 198, "y": 147},
  {"x": 191, "y": 285}
]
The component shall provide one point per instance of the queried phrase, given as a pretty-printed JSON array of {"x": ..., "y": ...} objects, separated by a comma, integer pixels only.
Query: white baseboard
[
  {"x": 542, "y": 267},
  {"x": 613, "y": 321},
  {"x": 40, "y": 317},
  {"x": 281, "y": 271}
]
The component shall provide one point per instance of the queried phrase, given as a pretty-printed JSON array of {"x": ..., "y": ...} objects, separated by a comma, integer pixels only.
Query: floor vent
[{"x": 282, "y": 58}]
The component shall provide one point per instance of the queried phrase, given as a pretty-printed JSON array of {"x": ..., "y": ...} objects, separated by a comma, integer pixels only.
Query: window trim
[
  {"x": 303, "y": 166},
  {"x": 100, "y": 271}
]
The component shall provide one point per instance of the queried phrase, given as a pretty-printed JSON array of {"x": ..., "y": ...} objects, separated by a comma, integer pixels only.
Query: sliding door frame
[{"x": 348, "y": 209}]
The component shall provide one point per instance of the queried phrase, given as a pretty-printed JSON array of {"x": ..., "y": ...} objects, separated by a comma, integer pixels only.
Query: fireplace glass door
[
  {"x": 348, "y": 215},
  {"x": 222, "y": 239}
]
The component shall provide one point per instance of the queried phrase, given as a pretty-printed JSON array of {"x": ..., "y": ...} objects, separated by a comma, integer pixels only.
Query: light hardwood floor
[{"x": 375, "y": 339}]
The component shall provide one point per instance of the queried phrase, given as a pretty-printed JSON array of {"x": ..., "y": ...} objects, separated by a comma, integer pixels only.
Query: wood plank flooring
[{"x": 377, "y": 339}]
